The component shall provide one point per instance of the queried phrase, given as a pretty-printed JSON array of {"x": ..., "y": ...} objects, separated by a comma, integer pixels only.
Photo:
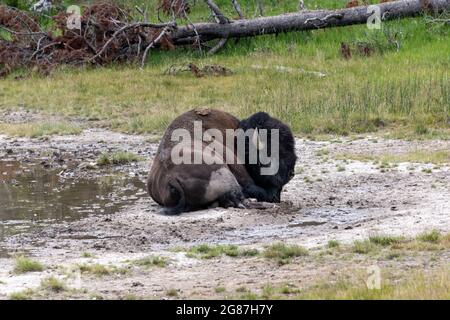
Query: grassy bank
[
  {"x": 408, "y": 88},
  {"x": 405, "y": 268}
]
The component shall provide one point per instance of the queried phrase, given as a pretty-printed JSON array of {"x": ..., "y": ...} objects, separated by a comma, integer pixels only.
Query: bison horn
[{"x": 256, "y": 141}]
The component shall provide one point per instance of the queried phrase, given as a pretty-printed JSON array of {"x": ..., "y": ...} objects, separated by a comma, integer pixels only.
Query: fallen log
[
  {"x": 304, "y": 20},
  {"x": 108, "y": 35}
]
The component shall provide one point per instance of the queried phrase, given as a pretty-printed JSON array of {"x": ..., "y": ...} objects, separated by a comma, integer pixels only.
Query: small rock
[{"x": 137, "y": 284}]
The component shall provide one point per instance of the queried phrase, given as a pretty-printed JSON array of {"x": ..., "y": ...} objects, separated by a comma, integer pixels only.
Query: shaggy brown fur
[{"x": 183, "y": 187}]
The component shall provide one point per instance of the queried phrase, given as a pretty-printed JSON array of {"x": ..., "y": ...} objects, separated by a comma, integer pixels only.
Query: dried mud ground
[{"x": 332, "y": 197}]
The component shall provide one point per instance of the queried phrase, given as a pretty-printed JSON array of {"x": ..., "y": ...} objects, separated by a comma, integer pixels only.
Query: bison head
[{"x": 283, "y": 153}]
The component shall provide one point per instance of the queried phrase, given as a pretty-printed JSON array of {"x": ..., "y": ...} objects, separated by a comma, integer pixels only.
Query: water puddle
[{"x": 32, "y": 196}]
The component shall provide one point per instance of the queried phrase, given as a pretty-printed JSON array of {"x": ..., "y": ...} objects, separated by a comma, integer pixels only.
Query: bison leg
[
  {"x": 176, "y": 192},
  {"x": 172, "y": 211},
  {"x": 249, "y": 188},
  {"x": 232, "y": 199},
  {"x": 258, "y": 193}
]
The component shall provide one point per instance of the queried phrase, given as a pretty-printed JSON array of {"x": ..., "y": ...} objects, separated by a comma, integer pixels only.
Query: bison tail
[{"x": 176, "y": 191}]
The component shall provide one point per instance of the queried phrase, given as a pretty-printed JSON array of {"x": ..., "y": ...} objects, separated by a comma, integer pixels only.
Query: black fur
[
  {"x": 273, "y": 184},
  {"x": 232, "y": 199}
]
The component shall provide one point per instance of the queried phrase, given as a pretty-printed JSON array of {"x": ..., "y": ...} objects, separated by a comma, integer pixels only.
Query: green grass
[
  {"x": 268, "y": 292},
  {"x": 299, "y": 170},
  {"x": 407, "y": 90},
  {"x": 95, "y": 296},
  {"x": 25, "y": 265},
  {"x": 248, "y": 296},
  {"x": 151, "y": 261},
  {"x": 172, "y": 293},
  {"x": 53, "y": 284},
  {"x": 87, "y": 255},
  {"x": 288, "y": 289},
  {"x": 427, "y": 241},
  {"x": 26, "y": 294},
  {"x": 206, "y": 251},
  {"x": 433, "y": 236},
  {"x": 95, "y": 269},
  {"x": 37, "y": 129},
  {"x": 220, "y": 289},
  {"x": 117, "y": 158},
  {"x": 322, "y": 152},
  {"x": 131, "y": 296},
  {"x": 364, "y": 246},
  {"x": 386, "y": 159},
  {"x": 417, "y": 285},
  {"x": 284, "y": 253},
  {"x": 384, "y": 240},
  {"x": 394, "y": 246},
  {"x": 248, "y": 252},
  {"x": 333, "y": 244},
  {"x": 100, "y": 270}
]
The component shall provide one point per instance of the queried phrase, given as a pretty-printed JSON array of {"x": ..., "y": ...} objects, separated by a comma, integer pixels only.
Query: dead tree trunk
[
  {"x": 123, "y": 40},
  {"x": 304, "y": 20}
]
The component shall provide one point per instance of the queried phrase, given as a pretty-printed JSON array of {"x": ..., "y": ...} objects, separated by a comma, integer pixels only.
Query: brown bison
[{"x": 207, "y": 170}]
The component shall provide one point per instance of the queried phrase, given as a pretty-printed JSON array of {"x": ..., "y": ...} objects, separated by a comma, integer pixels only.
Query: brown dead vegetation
[
  {"x": 178, "y": 8},
  {"x": 207, "y": 70},
  {"x": 352, "y": 3},
  {"x": 107, "y": 35}
]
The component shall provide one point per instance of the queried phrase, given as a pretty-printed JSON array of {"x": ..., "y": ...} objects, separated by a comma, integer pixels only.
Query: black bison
[
  {"x": 271, "y": 183},
  {"x": 197, "y": 164}
]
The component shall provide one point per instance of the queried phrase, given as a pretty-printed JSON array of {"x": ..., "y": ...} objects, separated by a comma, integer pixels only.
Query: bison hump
[{"x": 202, "y": 111}]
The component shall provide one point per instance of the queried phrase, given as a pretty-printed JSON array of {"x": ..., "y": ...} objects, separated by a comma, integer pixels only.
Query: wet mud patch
[
  {"x": 33, "y": 196},
  {"x": 328, "y": 199},
  {"x": 56, "y": 180},
  {"x": 322, "y": 202}
]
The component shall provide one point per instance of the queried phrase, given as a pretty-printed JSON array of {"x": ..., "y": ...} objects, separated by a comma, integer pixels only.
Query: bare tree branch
[
  {"x": 305, "y": 20},
  {"x": 152, "y": 43},
  {"x": 197, "y": 41},
  {"x": 259, "y": 8},
  {"x": 447, "y": 21},
  {"x": 218, "y": 15},
  {"x": 301, "y": 5},
  {"x": 218, "y": 46},
  {"x": 126, "y": 27},
  {"x": 323, "y": 21},
  {"x": 20, "y": 33},
  {"x": 109, "y": 34},
  {"x": 221, "y": 19},
  {"x": 237, "y": 7},
  {"x": 143, "y": 12}
]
